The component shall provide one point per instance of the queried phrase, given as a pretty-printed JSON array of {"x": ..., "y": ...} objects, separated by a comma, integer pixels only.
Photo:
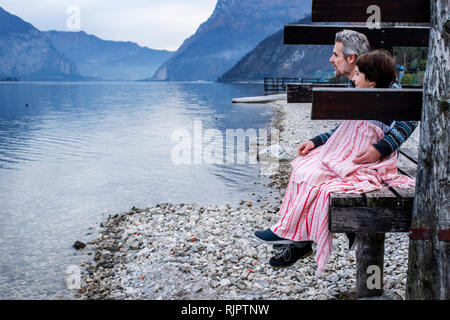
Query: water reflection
[{"x": 82, "y": 151}]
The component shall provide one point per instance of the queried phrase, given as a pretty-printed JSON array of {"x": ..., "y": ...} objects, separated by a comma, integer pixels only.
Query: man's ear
[
  {"x": 351, "y": 58},
  {"x": 372, "y": 84}
]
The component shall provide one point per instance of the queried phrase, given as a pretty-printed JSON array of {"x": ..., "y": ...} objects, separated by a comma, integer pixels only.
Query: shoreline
[{"x": 196, "y": 252}]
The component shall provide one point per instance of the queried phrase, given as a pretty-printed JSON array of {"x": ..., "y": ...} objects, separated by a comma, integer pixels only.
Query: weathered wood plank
[
  {"x": 346, "y": 200},
  {"x": 411, "y": 154},
  {"x": 299, "y": 94},
  {"x": 381, "y": 198},
  {"x": 302, "y": 93},
  {"x": 385, "y": 197},
  {"x": 363, "y": 219},
  {"x": 356, "y": 10},
  {"x": 407, "y": 167},
  {"x": 370, "y": 104},
  {"x": 406, "y": 196},
  {"x": 389, "y": 197},
  {"x": 387, "y": 37},
  {"x": 408, "y": 173},
  {"x": 411, "y": 86}
]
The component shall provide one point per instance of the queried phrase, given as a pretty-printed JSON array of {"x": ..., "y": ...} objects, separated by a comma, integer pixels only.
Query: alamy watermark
[
  {"x": 374, "y": 21},
  {"x": 374, "y": 280},
  {"x": 234, "y": 146},
  {"x": 74, "y": 20},
  {"x": 73, "y": 277}
]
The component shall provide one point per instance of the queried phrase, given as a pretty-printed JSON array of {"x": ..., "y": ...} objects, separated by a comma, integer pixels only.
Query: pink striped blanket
[{"x": 327, "y": 169}]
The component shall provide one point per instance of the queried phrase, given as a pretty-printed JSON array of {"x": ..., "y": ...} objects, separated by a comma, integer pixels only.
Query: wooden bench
[
  {"x": 386, "y": 38},
  {"x": 370, "y": 216},
  {"x": 373, "y": 214},
  {"x": 345, "y": 11},
  {"x": 302, "y": 93},
  {"x": 277, "y": 85}
]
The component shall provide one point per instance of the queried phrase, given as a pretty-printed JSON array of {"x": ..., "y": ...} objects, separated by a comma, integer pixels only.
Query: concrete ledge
[{"x": 261, "y": 99}]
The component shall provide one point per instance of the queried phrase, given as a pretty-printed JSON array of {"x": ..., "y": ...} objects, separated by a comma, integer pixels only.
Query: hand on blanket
[
  {"x": 305, "y": 147},
  {"x": 370, "y": 155}
]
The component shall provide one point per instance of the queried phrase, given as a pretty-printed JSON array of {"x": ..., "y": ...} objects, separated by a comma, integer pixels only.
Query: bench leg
[{"x": 369, "y": 264}]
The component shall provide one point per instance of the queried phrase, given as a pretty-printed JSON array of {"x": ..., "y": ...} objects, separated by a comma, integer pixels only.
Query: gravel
[{"x": 191, "y": 251}]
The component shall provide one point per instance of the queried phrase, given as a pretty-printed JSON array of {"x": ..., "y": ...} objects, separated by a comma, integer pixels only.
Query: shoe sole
[
  {"x": 283, "y": 241},
  {"x": 288, "y": 265}
]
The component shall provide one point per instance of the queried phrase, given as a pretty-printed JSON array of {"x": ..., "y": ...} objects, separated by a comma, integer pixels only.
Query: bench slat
[
  {"x": 347, "y": 200},
  {"x": 362, "y": 219},
  {"x": 356, "y": 10},
  {"x": 384, "y": 210},
  {"x": 373, "y": 104},
  {"x": 382, "y": 198},
  {"x": 302, "y": 93},
  {"x": 411, "y": 154},
  {"x": 406, "y": 166},
  {"x": 387, "y": 37},
  {"x": 406, "y": 195}
]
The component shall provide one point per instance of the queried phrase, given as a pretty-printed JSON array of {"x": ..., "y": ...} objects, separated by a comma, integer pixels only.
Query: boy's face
[
  {"x": 343, "y": 66},
  {"x": 360, "y": 80}
]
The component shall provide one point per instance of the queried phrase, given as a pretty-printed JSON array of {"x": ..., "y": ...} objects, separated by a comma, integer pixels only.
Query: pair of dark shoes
[
  {"x": 268, "y": 236},
  {"x": 351, "y": 242},
  {"x": 291, "y": 251}
]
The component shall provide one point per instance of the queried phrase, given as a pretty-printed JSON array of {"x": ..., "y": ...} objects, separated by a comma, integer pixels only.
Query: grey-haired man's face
[{"x": 343, "y": 66}]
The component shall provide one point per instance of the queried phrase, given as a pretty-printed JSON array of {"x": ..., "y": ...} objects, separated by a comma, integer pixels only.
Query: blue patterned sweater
[{"x": 400, "y": 131}]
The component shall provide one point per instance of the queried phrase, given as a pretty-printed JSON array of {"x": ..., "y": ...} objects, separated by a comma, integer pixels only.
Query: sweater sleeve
[
  {"x": 394, "y": 138},
  {"x": 321, "y": 139}
]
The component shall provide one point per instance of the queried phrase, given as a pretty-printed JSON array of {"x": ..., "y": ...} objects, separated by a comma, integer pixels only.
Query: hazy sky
[{"x": 158, "y": 24}]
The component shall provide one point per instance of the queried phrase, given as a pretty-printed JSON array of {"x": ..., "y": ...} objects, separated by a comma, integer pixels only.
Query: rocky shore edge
[{"x": 195, "y": 252}]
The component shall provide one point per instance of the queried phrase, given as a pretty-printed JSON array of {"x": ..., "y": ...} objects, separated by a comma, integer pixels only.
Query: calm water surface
[{"x": 81, "y": 151}]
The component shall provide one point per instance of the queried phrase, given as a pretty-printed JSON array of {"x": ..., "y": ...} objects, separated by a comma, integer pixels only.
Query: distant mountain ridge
[
  {"x": 272, "y": 58},
  {"x": 109, "y": 60},
  {"x": 27, "y": 54},
  {"x": 234, "y": 29}
]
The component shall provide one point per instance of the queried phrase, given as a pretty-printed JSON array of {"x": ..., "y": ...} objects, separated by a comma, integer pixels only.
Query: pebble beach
[{"x": 188, "y": 251}]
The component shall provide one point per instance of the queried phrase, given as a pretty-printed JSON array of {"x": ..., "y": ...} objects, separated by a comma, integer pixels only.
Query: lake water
[{"x": 73, "y": 153}]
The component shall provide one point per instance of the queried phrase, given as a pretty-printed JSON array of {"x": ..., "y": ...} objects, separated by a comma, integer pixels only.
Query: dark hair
[{"x": 378, "y": 66}]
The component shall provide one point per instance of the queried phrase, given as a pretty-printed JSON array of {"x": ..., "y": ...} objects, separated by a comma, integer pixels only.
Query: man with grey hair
[{"x": 348, "y": 45}]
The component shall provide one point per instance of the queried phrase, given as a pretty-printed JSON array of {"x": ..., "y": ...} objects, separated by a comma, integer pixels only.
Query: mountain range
[
  {"x": 234, "y": 29},
  {"x": 272, "y": 58},
  {"x": 108, "y": 60},
  {"x": 241, "y": 41},
  {"x": 30, "y": 54},
  {"x": 26, "y": 53}
]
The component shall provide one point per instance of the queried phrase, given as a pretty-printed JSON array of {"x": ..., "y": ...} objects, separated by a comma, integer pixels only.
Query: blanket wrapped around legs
[{"x": 330, "y": 169}]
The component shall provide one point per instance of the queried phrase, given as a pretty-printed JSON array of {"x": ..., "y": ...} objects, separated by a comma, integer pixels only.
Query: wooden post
[
  {"x": 429, "y": 252},
  {"x": 369, "y": 264}
]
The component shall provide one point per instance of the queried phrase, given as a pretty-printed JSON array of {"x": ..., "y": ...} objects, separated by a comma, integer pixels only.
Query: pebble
[
  {"x": 194, "y": 252},
  {"x": 333, "y": 278},
  {"x": 78, "y": 245},
  {"x": 225, "y": 282}
]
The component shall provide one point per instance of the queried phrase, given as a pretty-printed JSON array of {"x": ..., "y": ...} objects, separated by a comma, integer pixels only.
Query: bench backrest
[{"x": 374, "y": 104}]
